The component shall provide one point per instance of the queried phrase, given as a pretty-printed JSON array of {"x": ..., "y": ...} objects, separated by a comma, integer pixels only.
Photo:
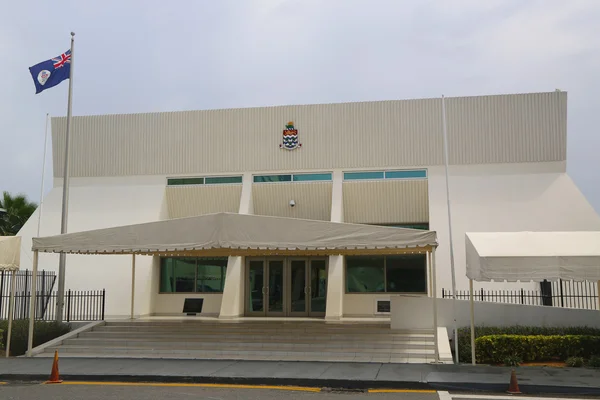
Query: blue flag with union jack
[{"x": 51, "y": 72}]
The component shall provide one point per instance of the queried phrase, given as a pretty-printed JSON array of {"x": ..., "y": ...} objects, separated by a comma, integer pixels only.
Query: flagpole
[
  {"x": 43, "y": 175},
  {"x": 445, "y": 132},
  {"x": 60, "y": 302}
]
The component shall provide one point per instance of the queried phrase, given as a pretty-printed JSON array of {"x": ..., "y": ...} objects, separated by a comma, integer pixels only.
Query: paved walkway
[{"x": 316, "y": 374}]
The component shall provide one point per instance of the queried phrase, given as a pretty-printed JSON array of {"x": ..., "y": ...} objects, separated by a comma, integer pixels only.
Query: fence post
[
  {"x": 2, "y": 292},
  {"x": 68, "y": 305},
  {"x": 25, "y": 298},
  {"x": 43, "y": 291},
  {"x": 522, "y": 297},
  {"x": 103, "y": 302},
  {"x": 562, "y": 300}
]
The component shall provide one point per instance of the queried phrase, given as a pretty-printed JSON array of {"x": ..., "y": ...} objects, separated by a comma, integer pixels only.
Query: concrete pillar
[
  {"x": 336, "y": 275},
  {"x": 232, "y": 304}
]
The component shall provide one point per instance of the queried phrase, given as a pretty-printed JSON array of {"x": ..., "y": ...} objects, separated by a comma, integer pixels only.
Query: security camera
[{"x": 292, "y": 203}]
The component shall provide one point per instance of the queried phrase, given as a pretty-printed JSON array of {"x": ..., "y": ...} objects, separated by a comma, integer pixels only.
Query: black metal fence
[
  {"x": 567, "y": 294},
  {"x": 23, "y": 281},
  {"x": 85, "y": 305}
]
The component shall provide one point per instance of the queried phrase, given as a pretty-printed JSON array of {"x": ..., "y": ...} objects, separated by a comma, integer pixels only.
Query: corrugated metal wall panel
[
  {"x": 507, "y": 129},
  {"x": 349, "y": 135},
  {"x": 189, "y": 201},
  {"x": 313, "y": 199},
  {"x": 383, "y": 202}
]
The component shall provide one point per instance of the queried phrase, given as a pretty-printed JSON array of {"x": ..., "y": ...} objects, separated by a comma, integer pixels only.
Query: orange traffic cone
[
  {"x": 54, "y": 377},
  {"x": 514, "y": 385}
]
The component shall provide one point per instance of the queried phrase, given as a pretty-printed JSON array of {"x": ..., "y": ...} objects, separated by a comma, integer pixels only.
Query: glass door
[
  {"x": 318, "y": 288},
  {"x": 298, "y": 288},
  {"x": 255, "y": 288},
  {"x": 275, "y": 289}
]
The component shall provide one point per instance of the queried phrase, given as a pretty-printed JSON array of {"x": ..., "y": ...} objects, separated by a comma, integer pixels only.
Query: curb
[{"x": 321, "y": 383}]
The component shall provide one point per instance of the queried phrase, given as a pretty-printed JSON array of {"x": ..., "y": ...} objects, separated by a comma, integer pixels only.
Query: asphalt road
[{"x": 15, "y": 391}]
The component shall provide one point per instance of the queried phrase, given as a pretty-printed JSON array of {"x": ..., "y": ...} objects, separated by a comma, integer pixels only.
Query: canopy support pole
[
  {"x": 11, "y": 310},
  {"x": 430, "y": 274},
  {"x": 435, "y": 308},
  {"x": 472, "y": 322},
  {"x": 132, "y": 283},
  {"x": 32, "y": 302}
]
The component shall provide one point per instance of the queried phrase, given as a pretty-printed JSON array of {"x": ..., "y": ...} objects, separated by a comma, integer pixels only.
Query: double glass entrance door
[{"x": 281, "y": 287}]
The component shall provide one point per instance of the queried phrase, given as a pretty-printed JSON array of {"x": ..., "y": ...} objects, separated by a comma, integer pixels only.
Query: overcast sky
[{"x": 147, "y": 56}]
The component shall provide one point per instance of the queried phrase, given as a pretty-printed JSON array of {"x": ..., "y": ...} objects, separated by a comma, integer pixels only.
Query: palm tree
[{"x": 17, "y": 210}]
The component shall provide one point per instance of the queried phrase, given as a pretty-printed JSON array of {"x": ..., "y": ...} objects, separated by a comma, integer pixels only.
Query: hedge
[
  {"x": 464, "y": 335},
  {"x": 497, "y": 348},
  {"x": 43, "y": 331}
]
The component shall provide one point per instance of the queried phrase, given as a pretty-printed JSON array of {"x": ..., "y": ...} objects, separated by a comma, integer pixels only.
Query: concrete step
[
  {"x": 255, "y": 336},
  {"x": 256, "y": 357},
  {"x": 304, "y": 346},
  {"x": 249, "y": 327},
  {"x": 65, "y": 349}
]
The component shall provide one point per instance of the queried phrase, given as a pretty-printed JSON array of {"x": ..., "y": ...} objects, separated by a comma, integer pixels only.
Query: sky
[{"x": 147, "y": 56}]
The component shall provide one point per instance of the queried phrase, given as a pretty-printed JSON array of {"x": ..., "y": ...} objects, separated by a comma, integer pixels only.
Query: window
[
  {"x": 406, "y": 273},
  {"x": 376, "y": 175},
  {"x": 365, "y": 274},
  {"x": 215, "y": 180},
  {"x": 293, "y": 178},
  {"x": 209, "y": 180},
  {"x": 311, "y": 177},
  {"x": 189, "y": 275},
  {"x": 391, "y": 274},
  {"x": 406, "y": 174},
  {"x": 273, "y": 178},
  {"x": 351, "y": 176},
  {"x": 185, "y": 181}
]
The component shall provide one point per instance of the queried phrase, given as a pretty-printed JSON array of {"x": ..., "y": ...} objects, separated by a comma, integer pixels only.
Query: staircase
[{"x": 251, "y": 340}]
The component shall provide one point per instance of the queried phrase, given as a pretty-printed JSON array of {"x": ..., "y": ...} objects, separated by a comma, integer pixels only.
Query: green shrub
[
  {"x": 496, "y": 348},
  {"x": 43, "y": 331},
  {"x": 574, "y": 362},
  {"x": 464, "y": 335},
  {"x": 512, "y": 361},
  {"x": 594, "y": 361}
]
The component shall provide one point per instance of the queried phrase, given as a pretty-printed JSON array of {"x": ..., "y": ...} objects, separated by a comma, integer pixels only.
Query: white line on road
[{"x": 448, "y": 396}]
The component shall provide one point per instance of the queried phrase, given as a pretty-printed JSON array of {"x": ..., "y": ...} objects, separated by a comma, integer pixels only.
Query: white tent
[
  {"x": 234, "y": 234},
  {"x": 10, "y": 258},
  {"x": 229, "y": 234},
  {"x": 530, "y": 256}
]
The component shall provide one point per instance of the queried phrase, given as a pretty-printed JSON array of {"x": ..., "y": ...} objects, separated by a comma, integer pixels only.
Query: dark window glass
[
  {"x": 188, "y": 275},
  {"x": 185, "y": 181},
  {"x": 222, "y": 179},
  {"x": 211, "y": 275},
  {"x": 349, "y": 176},
  {"x": 406, "y": 273},
  {"x": 312, "y": 177},
  {"x": 365, "y": 274},
  {"x": 177, "y": 275},
  {"x": 272, "y": 178},
  {"x": 406, "y": 174}
]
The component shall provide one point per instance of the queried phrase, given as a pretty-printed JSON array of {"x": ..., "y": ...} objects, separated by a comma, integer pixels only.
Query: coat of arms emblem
[{"x": 290, "y": 137}]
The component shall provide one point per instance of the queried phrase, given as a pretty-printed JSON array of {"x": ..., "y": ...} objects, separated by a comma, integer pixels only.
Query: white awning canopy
[
  {"x": 240, "y": 234},
  {"x": 533, "y": 256},
  {"x": 10, "y": 252}
]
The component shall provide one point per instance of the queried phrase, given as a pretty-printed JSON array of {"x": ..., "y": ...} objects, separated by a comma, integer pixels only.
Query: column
[
  {"x": 232, "y": 304},
  {"x": 336, "y": 274}
]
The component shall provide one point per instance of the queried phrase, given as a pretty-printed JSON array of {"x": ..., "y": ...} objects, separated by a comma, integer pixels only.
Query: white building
[{"x": 370, "y": 163}]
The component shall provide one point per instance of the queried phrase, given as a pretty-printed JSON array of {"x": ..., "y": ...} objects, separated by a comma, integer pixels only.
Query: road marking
[
  {"x": 204, "y": 385},
  {"x": 400, "y": 391},
  {"x": 448, "y": 396}
]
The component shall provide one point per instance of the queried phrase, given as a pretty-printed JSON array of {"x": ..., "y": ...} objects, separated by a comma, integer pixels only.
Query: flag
[{"x": 51, "y": 72}]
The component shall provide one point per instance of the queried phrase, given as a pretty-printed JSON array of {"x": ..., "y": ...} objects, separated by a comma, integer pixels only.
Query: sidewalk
[{"x": 314, "y": 374}]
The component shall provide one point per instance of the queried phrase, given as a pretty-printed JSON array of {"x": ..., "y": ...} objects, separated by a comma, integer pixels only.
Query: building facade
[{"x": 379, "y": 163}]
